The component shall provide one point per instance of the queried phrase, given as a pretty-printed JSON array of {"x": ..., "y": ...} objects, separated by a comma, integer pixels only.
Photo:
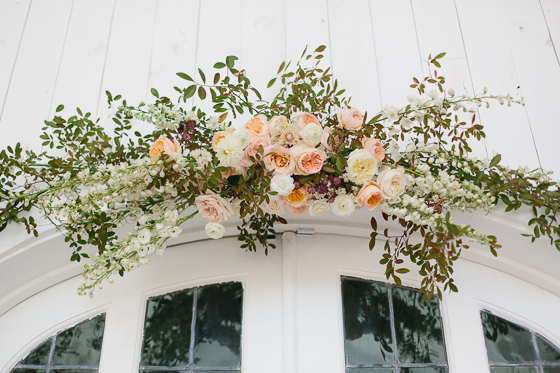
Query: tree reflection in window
[
  {"x": 388, "y": 329},
  {"x": 513, "y": 348},
  {"x": 77, "y": 349},
  {"x": 197, "y": 329}
]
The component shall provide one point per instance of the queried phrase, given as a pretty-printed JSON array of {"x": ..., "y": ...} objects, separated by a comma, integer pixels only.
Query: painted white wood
[
  {"x": 538, "y": 71},
  {"x": 353, "y": 53},
  {"x": 34, "y": 75},
  {"x": 262, "y": 43},
  {"x": 174, "y": 46},
  {"x": 127, "y": 63},
  {"x": 290, "y": 302},
  {"x": 491, "y": 65},
  {"x": 83, "y": 58},
  {"x": 12, "y": 22},
  {"x": 307, "y": 24},
  {"x": 219, "y": 36}
]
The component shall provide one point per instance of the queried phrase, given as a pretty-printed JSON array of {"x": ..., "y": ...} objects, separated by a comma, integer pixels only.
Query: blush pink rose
[
  {"x": 375, "y": 147},
  {"x": 275, "y": 206},
  {"x": 297, "y": 210},
  {"x": 165, "y": 146},
  {"x": 252, "y": 150},
  {"x": 370, "y": 195},
  {"x": 214, "y": 208},
  {"x": 308, "y": 160},
  {"x": 351, "y": 119},
  {"x": 325, "y": 138}
]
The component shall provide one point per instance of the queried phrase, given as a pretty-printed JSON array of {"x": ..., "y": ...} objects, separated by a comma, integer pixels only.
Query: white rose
[
  {"x": 283, "y": 184},
  {"x": 362, "y": 165},
  {"x": 144, "y": 236},
  {"x": 311, "y": 134},
  {"x": 392, "y": 182},
  {"x": 243, "y": 136},
  {"x": 214, "y": 230},
  {"x": 318, "y": 207},
  {"x": 229, "y": 151},
  {"x": 343, "y": 206}
]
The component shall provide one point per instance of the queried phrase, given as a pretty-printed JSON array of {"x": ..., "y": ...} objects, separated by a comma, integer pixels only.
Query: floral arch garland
[{"x": 307, "y": 151}]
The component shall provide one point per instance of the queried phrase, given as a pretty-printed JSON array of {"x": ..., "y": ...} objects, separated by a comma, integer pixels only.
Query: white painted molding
[{"x": 289, "y": 297}]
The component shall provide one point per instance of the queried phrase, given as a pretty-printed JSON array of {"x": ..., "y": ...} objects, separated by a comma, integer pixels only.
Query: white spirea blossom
[
  {"x": 213, "y": 123},
  {"x": 391, "y": 112},
  {"x": 229, "y": 151},
  {"x": 214, "y": 230},
  {"x": 144, "y": 236},
  {"x": 202, "y": 157},
  {"x": 283, "y": 184},
  {"x": 343, "y": 206},
  {"x": 311, "y": 134}
]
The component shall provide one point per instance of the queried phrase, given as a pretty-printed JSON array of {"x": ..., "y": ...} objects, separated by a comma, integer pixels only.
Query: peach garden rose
[
  {"x": 375, "y": 147},
  {"x": 278, "y": 159},
  {"x": 257, "y": 126},
  {"x": 304, "y": 119},
  {"x": 370, "y": 195},
  {"x": 308, "y": 160},
  {"x": 163, "y": 145},
  {"x": 392, "y": 182}
]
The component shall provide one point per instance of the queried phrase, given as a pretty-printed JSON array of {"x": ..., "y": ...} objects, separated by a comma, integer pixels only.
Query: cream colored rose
[
  {"x": 275, "y": 206},
  {"x": 214, "y": 230},
  {"x": 277, "y": 123},
  {"x": 392, "y": 182},
  {"x": 351, "y": 119},
  {"x": 362, "y": 166},
  {"x": 311, "y": 134},
  {"x": 318, "y": 207}
]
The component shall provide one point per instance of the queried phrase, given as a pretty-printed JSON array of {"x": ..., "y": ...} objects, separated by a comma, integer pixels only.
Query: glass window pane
[
  {"x": 40, "y": 355},
  {"x": 513, "y": 370},
  {"x": 424, "y": 370},
  {"x": 505, "y": 341},
  {"x": 367, "y": 325},
  {"x": 371, "y": 370},
  {"x": 80, "y": 345},
  {"x": 28, "y": 371},
  {"x": 418, "y": 328},
  {"x": 167, "y": 332},
  {"x": 73, "y": 371},
  {"x": 551, "y": 370},
  {"x": 218, "y": 325},
  {"x": 547, "y": 351}
]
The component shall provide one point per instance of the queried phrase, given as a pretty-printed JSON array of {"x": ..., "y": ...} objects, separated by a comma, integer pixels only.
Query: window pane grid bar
[
  {"x": 189, "y": 368},
  {"x": 55, "y": 367},
  {"x": 526, "y": 364},
  {"x": 51, "y": 355},
  {"x": 402, "y": 365},
  {"x": 392, "y": 321},
  {"x": 193, "y": 328}
]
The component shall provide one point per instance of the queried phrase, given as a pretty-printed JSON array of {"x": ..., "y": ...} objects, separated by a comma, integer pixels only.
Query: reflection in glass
[
  {"x": 506, "y": 341},
  {"x": 418, "y": 328},
  {"x": 367, "y": 325},
  {"x": 424, "y": 370},
  {"x": 40, "y": 355},
  {"x": 73, "y": 371},
  {"x": 547, "y": 351},
  {"x": 167, "y": 331},
  {"x": 551, "y": 370},
  {"x": 513, "y": 370},
  {"x": 218, "y": 325},
  {"x": 80, "y": 345},
  {"x": 371, "y": 370}
]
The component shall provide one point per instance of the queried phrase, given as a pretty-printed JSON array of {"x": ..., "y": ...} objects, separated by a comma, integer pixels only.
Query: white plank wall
[{"x": 71, "y": 51}]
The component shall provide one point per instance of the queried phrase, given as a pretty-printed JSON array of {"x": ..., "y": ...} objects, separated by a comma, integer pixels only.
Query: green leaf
[
  {"x": 219, "y": 65},
  {"x": 373, "y": 223},
  {"x": 281, "y": 67},
  {"x": 202, "y": 76},
  {"x": 271, "y": 83},
  {"x": 230, "y": 61},
  {"x": 185, "y": 76},
  {"x": 497, "y": 158},
  {"x": 59, "y": 108},
  {"x": 320, "y": 49},
  {"x": 155, "y": 92},
  {"x": 189, "y": 92},
  {"x": 440, "y": 56}
]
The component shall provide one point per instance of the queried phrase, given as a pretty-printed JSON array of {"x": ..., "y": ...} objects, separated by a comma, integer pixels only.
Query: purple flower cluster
[
  {"x": 186, "y": 130},
  {"x": 327, "y": 187}
]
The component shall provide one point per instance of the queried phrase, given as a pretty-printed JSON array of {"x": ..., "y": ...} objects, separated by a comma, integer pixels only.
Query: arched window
[
  {"x": 388, "y": 330},
  {"x": 193, "y": 330},
  {"x": 514, "y": 349},
  {"x": 74, "y": 350}
]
